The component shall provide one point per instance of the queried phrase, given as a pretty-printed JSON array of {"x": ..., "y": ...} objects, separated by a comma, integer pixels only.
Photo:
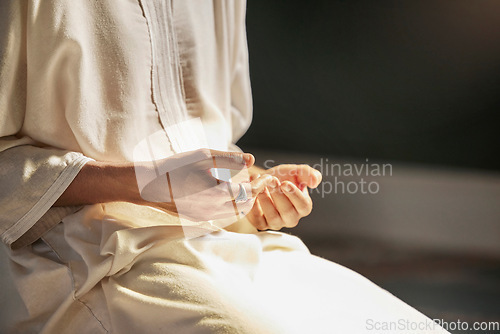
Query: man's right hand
[{"x": 190, "y": 189}]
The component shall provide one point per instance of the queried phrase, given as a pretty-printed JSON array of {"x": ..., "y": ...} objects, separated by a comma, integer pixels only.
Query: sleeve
[
  {"x": 241, "y": 95},
  {"x": 32, "y": 177}
]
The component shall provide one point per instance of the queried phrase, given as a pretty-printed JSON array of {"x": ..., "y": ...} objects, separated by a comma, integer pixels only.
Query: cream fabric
[
  {"x": 82, "y": 80},
  {"x": 91, "y": 79},
  {"x": 109, "y": 273}
]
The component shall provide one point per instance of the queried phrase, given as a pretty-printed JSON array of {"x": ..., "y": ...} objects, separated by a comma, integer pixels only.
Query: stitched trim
[
  {"x": 153, "y": 96},
  {"x": 46, "y": 201},
  {"x": 93, "y": 315},
  {"x": 166, "y": 73}
]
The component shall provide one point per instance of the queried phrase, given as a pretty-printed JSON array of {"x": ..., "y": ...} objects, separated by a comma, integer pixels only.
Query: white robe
[{"x": 83, "y": 80}]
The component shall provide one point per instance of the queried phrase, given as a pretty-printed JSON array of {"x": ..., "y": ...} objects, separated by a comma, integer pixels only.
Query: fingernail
[
  {"x": 248, "y": 158},
  {"x": 287, "y": 187},
  {"x": 273, "y": 184}
]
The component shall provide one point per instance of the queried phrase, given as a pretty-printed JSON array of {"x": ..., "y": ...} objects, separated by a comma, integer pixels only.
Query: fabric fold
[{"x": 32, "y": 180}]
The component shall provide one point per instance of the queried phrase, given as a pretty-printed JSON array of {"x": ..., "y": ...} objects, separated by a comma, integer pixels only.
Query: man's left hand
[{"x": 286, "y": 200}]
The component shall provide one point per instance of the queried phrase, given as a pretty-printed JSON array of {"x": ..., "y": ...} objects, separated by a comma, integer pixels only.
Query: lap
[{"x": 140, "y": 279}]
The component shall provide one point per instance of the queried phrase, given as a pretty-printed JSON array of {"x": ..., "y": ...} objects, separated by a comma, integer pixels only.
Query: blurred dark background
[{"x": 415, "y": 81}]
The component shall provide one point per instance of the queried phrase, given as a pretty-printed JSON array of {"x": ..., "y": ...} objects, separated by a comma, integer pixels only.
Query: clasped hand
[
  {"x": 286, "y": 200},
  {"x": 184, "y": 184}
]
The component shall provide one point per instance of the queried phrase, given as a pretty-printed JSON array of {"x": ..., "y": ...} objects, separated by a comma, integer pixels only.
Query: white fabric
[
  {"x": 114, "y": 274},
  {"x": 88, "y": 79},
  {"x": 83, "y": 80}
]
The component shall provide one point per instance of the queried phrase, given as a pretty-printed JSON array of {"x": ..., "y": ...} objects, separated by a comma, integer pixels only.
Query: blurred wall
[{"x": 413, "y": 81}]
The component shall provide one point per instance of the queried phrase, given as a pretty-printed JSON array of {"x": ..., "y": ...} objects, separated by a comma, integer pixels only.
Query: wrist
[
  {"x": 110, "y": 182},
  {"x": 123, "y": 187}
]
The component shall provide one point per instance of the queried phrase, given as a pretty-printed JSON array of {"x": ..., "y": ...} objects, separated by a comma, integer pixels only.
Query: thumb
[
  {"x": 229, "y": 160},
  {"x": 253, "y": 188}
]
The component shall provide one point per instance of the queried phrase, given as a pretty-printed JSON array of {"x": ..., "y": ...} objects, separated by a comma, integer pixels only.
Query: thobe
[{"x": 91, "y": 80}]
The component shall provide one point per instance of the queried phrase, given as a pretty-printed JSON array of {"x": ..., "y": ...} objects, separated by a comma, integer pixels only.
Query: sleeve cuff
[{"x": 14, "y": 236}]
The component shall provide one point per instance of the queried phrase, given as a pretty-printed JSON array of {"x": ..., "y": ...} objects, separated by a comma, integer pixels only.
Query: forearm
[{"x": 100, "y": 182}]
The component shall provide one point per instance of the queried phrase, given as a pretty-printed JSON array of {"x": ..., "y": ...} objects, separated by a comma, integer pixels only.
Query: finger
[
  {"x": 315, "y": 179},
  {"x": 256, "y": 217},
  {"x": 240, "y": 197},
  {"x": 205, "y": 159},
  {"x": 302, "y": 186},
  {"x": 307, "y": 175},
  {"x": 298, "y": 174},
  {"x": 300, "y": 200},
  {"x": 252, "y": 189},
  {"x": 224, "y": 192},
  {"x": 259, "y": 185},
  {"x": 233, "y": 189},
  {"x": 254, "y": 176},
  {"x": 272, "y": 215},
  {"x": 244, "y": 207},
  {"x": 285, "y": 207},
  {"x": 230, "y": 160}
]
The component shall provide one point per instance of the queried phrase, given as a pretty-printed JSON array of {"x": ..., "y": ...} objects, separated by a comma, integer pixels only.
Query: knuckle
[
  {"x": 273, "y": 217},
  {"x": 310, "y": 205},
  {"x": 304, "y": 168},
  {"x": 258, "y": 221},
  {"x": 290, "y": 216},
  {"x": 275, "y": 224},
  {"x": 261, "y": 225},
  {"x": 306, "y": 210}
]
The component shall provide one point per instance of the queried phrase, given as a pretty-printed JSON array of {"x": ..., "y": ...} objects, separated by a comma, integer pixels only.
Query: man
[{"x": 112, "y": 201}]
